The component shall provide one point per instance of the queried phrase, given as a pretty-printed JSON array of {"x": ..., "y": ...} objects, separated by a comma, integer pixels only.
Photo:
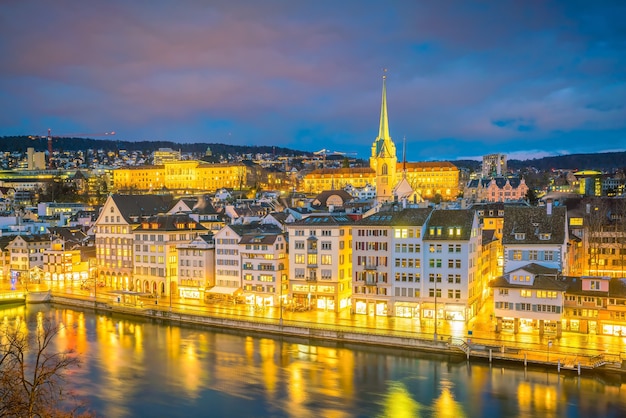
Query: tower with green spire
[{"x": 384, "y": 159}]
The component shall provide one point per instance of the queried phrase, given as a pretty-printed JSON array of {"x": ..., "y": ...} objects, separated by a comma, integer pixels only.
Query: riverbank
[{"x": 474, "y": 350}]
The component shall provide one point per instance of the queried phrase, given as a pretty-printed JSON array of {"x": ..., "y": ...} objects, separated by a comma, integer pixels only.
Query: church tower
[{"x": 384, "y": 159}]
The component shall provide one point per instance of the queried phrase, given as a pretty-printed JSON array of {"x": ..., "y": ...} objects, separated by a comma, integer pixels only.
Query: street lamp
[
  {"x": 169, "y": 278},
  {"x": 280, "y": 302},
  {"x": 549, "y": 345},
  {"x": 435, "y": 309}
]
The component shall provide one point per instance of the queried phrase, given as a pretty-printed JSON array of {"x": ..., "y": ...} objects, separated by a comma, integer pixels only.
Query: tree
[
  {"x": 531, "y": 196},
  {"x": 32, "y": 375}
]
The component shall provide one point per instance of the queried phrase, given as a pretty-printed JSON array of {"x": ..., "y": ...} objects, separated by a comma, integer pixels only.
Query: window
[
  {"x": 548, "y": 255},
  {"x": 517, "y": 254},
  {"x": 525, "y": 293},
  {"x": 533, "y": 255},
  {"x": 299, "y": 259},
  {"x": 503, "y": 292},
  {"x": 326, "y": 259}
]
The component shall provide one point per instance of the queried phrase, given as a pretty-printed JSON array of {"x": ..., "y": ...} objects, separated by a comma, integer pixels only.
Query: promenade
[{"x": 475, "y": 339}]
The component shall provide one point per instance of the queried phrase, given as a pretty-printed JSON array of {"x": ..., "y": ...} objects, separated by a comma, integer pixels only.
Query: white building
[
  {"x": 196, "y": 266},
  {"x": 264, "y": 265},
  {"x": 535, "y": 235},
  {"x": 530, "y": 297},
  {"x": 387, "y": 263},
  {"x": 452, "y": 247},
  {"x": 26, "y": 254}
]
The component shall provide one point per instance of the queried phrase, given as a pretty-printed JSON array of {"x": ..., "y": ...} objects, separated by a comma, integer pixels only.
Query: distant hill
[
  {"x": 21, "y": 143},
  {"x": 606, "y": 161}
]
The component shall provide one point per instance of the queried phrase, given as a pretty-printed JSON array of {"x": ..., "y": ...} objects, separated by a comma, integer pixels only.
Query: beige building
[
  {"x": 155, "y": 252},
  {"x": 320, "y": 263},
  {"x": 190, "y": 176},
  {"x": 113, "y": 229}
]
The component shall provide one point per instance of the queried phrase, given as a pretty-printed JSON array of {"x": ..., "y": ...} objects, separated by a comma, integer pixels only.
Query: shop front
[
  {"x": 370, "y": 307},
  {"x": 407, "y": 310}
]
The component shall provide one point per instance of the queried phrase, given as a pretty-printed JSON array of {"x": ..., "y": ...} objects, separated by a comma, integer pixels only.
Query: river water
[{"x": 137, "y": 368}]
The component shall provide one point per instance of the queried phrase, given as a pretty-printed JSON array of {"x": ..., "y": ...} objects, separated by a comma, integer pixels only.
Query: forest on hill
[
  {"x": 607, "y": 161},
  {"x": 21, "y": 143}
]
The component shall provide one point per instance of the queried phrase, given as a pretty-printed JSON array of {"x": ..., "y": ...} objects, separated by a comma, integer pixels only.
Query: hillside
[
  {"x": 600, "y": 161},
  {"x": 21, "y": 143},
  {"x": 607, "y": 161}
]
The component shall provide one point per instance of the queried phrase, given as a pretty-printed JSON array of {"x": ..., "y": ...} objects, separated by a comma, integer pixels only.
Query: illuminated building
[
  {"x": 452, "y": 288},
  {"x": 251, "y": 260},
  {"x": 165, "y": 154},
  {"x": 196, "y": 266},
  {"x": 26, "y": 255},
  {"x": 494, "y": 165},
  {"x": 320, "y": 262},
  {"x": 428, "y": 179},
  {"x": 496, "y": 189},
  {"x": 535, "y": 235},
  {"x": 589, "y": 182},
  {"x": 189, "y": 177},
  {"x": 155, "y": 251},
  {"x": 531, "y": 296},
  {"x": 120, "y": 215},
  {"x": 264, "y": 266},
  {"x": 64, "y": 262},
  {"x": 387, "y": 263}
]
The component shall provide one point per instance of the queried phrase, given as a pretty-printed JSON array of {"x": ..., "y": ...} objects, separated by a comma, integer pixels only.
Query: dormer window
[
  {"x": 520, "y": 236},
  {"x": 544, "y": 236}
]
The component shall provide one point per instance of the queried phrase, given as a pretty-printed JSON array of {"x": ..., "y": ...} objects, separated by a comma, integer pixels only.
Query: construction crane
[{"x": 49, "y": 137}]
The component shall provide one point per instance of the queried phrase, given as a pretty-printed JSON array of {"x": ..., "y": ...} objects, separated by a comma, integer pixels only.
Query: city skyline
[{"x": 527, "y": 80}]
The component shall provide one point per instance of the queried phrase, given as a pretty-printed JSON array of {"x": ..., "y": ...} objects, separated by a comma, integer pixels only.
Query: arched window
[{"x": 383, "y": 170}]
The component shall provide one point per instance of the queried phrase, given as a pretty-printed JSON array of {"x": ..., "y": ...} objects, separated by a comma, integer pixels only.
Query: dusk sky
[{"x": 525, "y": 78}]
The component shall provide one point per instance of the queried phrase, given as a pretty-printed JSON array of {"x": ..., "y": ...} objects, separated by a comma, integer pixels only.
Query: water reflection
[{"x": 133, "y": 367}]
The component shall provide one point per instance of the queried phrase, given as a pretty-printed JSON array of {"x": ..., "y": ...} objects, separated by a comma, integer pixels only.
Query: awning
[{"x": 223, "y": 290}]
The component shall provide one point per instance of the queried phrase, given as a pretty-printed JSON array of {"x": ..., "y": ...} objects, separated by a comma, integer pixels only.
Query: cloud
[{"x": 495, "y": 75}]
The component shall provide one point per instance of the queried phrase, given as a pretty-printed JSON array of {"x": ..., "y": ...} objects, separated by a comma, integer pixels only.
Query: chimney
[{"x": 549, "y": 207}]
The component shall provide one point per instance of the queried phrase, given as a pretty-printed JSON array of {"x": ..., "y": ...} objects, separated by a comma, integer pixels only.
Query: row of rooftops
[{"x": 549, "y": 279}]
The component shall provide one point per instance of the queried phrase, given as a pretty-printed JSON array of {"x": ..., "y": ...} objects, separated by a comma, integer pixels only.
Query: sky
[{"x": 525, "y": 78}]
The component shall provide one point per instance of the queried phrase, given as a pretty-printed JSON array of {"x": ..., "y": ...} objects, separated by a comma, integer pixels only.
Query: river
[{"x": 132, "y": 367}]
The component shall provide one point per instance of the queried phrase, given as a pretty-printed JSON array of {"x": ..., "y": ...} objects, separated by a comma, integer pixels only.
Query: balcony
[
  {"x": 371, "y": 282},
  {"x": 311, "y": 279},
  {"x": 370, "y": 267}
]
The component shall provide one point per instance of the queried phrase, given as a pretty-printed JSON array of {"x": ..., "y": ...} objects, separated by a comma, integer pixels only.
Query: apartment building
[
  {"x": 320, "y": 262},
  {"x": 529, "y": 298},
  {"x": 452, "y": 289},
  {"x": 264, "y": 265},
  {"x": 196, "y": 266},
  {"x": 155, "y": 256},
  {"x": 387, "y": 263},
  {"x": 535, "y": 235},
  {"x": 119, "y": 217},
  {"x": 26, "y": 255}
]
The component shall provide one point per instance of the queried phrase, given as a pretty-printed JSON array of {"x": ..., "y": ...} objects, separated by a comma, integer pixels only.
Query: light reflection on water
[{"x": 132, "y": 367}]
